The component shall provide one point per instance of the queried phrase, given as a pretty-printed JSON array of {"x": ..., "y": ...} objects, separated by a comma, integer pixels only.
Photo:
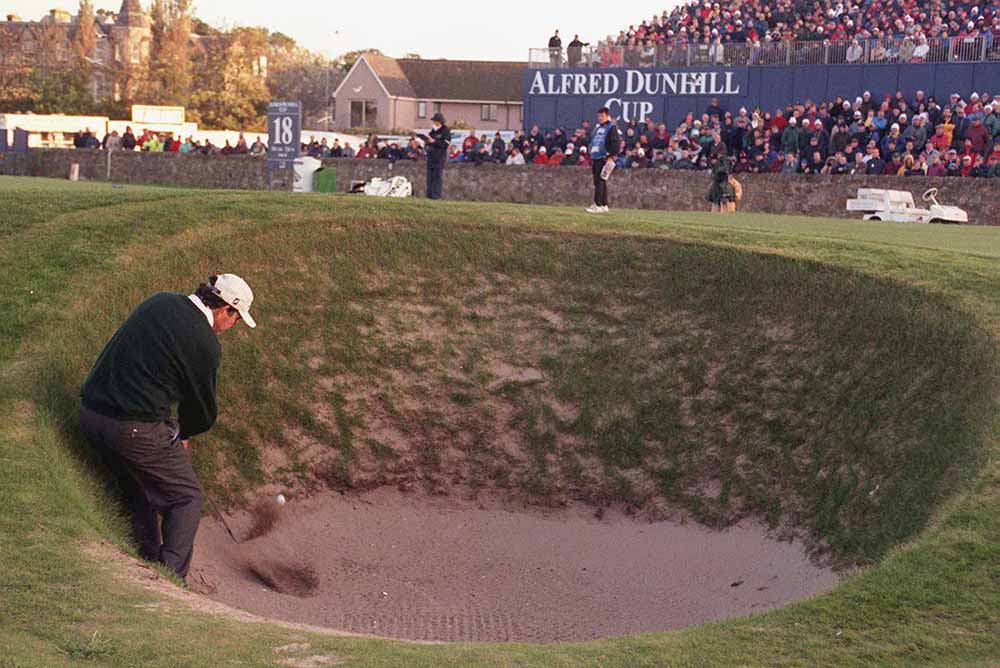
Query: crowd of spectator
[
  {"x": 894, "y": 136},
  {"x": 158, "y": 142},
  {"x": 897, "y": 135},
  {"x": 868, "y": 30}
]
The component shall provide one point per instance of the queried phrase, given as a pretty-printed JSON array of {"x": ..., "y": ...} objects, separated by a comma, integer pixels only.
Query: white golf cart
[{"x": 898, "y": 206}]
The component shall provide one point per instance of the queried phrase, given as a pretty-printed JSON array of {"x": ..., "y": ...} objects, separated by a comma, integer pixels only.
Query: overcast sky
[{"x": 471, "y": 30}]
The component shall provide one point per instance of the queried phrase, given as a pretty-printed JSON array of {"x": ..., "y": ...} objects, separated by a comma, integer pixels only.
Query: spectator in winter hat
[
  {"x": 952, "y": 165},
  {"x": 893, "y": 138},
  {"x": 966, "y": 165},
  {"x": 917, "y": 133}
]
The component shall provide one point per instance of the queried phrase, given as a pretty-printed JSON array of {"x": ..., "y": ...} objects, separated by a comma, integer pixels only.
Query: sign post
[{"x": 284, "y": 135}]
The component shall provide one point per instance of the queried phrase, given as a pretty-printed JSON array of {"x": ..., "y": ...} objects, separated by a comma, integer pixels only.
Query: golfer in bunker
[{"x": 165, "y": 355}]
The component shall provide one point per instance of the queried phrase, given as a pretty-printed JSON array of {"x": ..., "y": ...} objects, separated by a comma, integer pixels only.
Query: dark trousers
[
  {"x": 157, "y": 479},
  {"x": 600, "y": 185},
  {"x": 435, "y": 180}
]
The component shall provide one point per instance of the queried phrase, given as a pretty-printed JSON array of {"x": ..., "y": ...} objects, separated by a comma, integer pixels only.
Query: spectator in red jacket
[
  {"x": 977, "y": 136},
  {"x": 966, "y": 165},
  {"x": 934, "y": 166},
  {"x": 968, "y": 149},
  {"x": 940, "y": 141}
]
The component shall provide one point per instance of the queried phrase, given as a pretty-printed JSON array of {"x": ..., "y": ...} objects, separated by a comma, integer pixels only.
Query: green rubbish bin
[{"x": 325, "y": 180}]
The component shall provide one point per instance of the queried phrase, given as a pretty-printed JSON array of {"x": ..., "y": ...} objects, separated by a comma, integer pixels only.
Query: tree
[
  {"x": 16, "y": 93},
  {"x": 295, "y": 73},
  {"x": 199, "y": 27},
  {"x": 230, "y": 81},
  {"x": 170, "y": 76},
  {"x": 60, "y": 78},
  {"x": 282, "y": 42},
  {"x": 311, "y": 82},
  {"x": 59, "y": 91},
  {"x": 347, "y": 60},
  {"x": 157, "y": 24},
  {"x": 81, "y": 76},
  {"x": 84, "y": 40}
]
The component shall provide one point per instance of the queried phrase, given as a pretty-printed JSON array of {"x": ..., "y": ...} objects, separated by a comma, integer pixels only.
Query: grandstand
[
  {"x": 875, "y": 87},
  {"x": 796, "y": 32}
]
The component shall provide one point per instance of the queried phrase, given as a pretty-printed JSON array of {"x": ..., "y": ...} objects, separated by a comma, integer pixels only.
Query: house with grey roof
[{"x": 401, "y": 94}]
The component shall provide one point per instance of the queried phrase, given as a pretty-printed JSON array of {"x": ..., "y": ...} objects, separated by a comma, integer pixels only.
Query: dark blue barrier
[{"x": 564, "y": 97}]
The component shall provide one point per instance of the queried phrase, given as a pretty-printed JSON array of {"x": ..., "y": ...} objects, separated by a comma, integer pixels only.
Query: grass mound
[
  {"x": 835, "y": 378},
  {"x": 667, "y": 377}
]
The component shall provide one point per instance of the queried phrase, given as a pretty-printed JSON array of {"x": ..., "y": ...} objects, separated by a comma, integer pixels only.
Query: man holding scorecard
[
  {"x": 436, "y": 144},
  {"x": 604, "y": 145}
]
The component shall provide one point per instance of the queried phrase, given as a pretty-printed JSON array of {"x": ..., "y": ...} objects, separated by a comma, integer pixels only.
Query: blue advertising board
[
  {"x": 564, "y": 97},
  {"x": 628, "y": 93}
]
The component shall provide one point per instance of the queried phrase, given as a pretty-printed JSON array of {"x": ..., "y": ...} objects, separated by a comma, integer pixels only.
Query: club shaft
[{"x": 218, "y": 515}]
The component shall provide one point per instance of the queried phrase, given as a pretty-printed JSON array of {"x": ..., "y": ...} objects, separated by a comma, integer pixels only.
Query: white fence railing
[{"x": 845, "y": 52}]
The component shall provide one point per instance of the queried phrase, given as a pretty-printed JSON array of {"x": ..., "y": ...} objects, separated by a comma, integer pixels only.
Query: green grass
[{"x": 883, "y": 337}]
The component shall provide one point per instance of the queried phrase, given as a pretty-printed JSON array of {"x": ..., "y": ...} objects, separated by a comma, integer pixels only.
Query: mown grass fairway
[{"x": 840, "y": 380}]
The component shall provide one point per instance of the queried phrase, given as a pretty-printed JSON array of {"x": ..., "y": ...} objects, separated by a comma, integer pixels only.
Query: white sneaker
[
  {"x": 593, "y": 208},
  {"x": 605, "y": 209}
]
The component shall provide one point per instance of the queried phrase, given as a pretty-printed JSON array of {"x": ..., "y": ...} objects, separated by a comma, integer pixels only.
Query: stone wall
[
  {"x": 645, "y": 189},
  {"x": 196, "y": 171},
  {"x": 674, "y": 190}
]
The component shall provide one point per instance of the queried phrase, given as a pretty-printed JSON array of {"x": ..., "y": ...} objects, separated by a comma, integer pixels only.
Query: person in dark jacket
[
  {"x": 499, "y": 149},
  {"x": 721, "y": 192},
  {"x": 166, "y": 354},
  {"x": 555, "y": 50},
  {"x": 605, "y": 144},
  {"x": 437, "y": 144},
  {"x": 128, "y": 139},
  {"x": 574, "y": 52},
  {"x": 86, "y": 139}
]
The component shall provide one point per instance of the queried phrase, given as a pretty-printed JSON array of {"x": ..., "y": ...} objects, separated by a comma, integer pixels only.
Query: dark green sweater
[{"x": 165, "y": 354}]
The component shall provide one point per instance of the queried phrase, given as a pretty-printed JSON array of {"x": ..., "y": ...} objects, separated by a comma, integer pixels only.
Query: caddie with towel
[
  {"x": 166, "y": 354},
  {"x": 604, "y": 146}
]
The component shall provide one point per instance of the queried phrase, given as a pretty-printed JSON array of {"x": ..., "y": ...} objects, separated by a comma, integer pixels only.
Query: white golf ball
[{"x": 280, "y": 499}]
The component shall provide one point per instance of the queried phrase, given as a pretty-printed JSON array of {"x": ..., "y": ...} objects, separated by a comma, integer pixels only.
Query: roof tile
[
  {"x": 449, "y": 79},
  {"x": 464, "y": 79}
]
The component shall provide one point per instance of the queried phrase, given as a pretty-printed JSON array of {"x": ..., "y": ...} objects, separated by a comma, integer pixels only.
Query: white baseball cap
[{"x": 234, "y": 291}]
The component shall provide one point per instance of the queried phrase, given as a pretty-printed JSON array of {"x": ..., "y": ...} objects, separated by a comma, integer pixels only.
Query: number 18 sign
[{"x": 284, "y": 133}]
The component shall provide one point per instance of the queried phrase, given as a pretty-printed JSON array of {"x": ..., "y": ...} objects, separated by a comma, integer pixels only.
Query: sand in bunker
[{"x": 409, "y": 566}]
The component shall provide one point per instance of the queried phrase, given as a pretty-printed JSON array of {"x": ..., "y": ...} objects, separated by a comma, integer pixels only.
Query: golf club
[
  {"x": 175, "y": 436},
  {"x": 218, "y": 515}
]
